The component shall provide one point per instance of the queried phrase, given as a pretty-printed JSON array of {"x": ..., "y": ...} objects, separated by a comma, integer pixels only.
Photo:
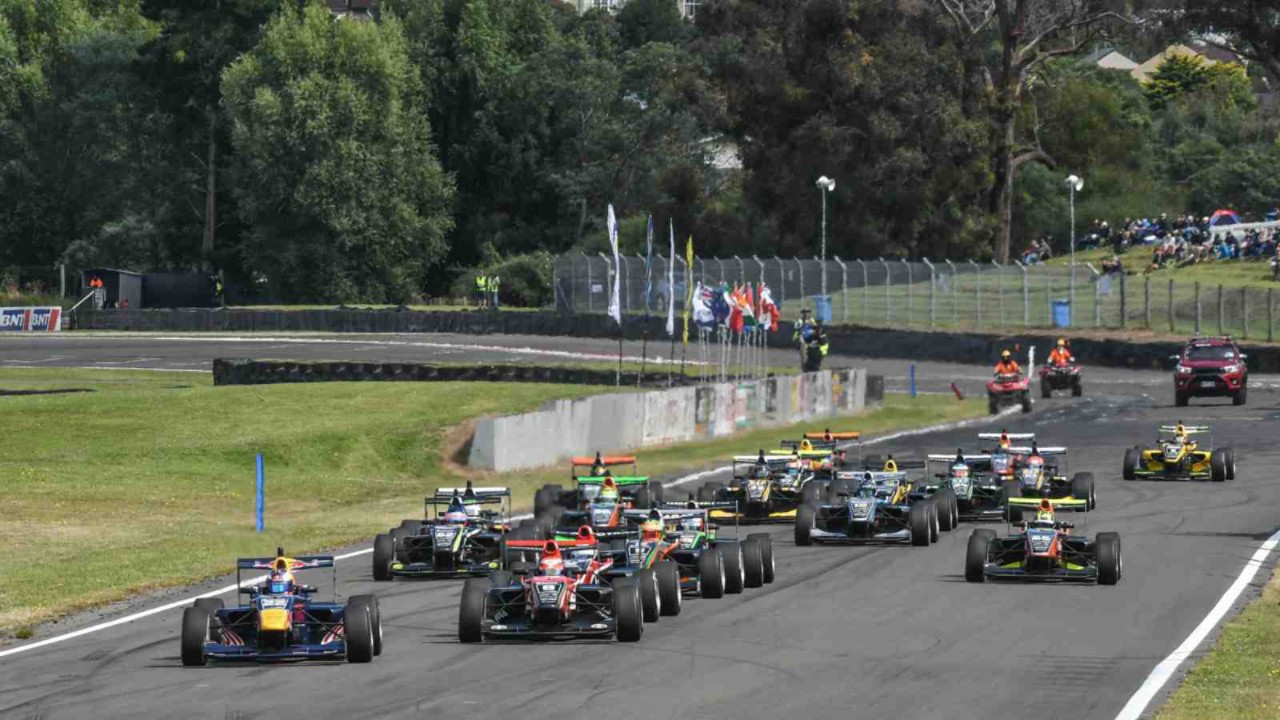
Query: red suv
[{"x": 1210, "y": 367}]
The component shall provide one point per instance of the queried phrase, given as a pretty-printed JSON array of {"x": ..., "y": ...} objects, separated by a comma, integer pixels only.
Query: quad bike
[
  {"x": 1008, "y": 389},
  {"x": 1060, "y": 377}
]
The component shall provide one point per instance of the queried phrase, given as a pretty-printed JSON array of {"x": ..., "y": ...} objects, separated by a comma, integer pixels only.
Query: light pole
[
  {"x": 1074, "y": 185},
  {"x": 826, "y": 185}
]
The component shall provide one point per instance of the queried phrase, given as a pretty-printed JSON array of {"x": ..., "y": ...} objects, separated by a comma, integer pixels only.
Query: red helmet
[{"x": 551, "y": 565}]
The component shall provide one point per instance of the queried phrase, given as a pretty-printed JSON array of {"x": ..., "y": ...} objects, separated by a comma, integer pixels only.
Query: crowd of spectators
[{"x": 1181, "y": 241}]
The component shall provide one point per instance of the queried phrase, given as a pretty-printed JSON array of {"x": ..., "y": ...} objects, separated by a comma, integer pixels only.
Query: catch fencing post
[
  {"x": 1026, "y": 295},
  {"x": 609, "y": 271},
  {"x": 1244, "y": 302},
  {"x": 1146, "y": 302},
  {"x": 800, "y": 270},
  {"x": 910, "y": 292},
  {"x": 999, "y": 294},
  {"x": 933, "y": 293},
  {"x": 1048, "y": 296},
  {"x": 1220, "y": 303},
  {"x": 721, "y": 264},
  {"x": 1270, "y": 325},
  {"x": 1097, "y": 296},
  {"x": 625, "y": 280},
  {"x": 591, "y": 299},
  {"x": 955, "y": 309},
  {"x": 822, "y": 265},
  {"x": 782, "y": 280},
  {"x": 1171, "y": 318},
  {"x": 761, "y": 264},
  {"x": 866, "y": 288},
  {"x": 844, "y": 286},
  {"x": 885, "y": 265},
  {"x": 261, "y": 496},
  {"x": 1197, "y": 330},
  {"x": 977, "y": 294},
  {"x": 742, "y": 274}
]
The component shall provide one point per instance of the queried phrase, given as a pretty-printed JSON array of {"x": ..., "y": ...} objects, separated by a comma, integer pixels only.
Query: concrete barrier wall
[
  {"x": 268, "y": 372},
  {"x": 622, "y": 422}
]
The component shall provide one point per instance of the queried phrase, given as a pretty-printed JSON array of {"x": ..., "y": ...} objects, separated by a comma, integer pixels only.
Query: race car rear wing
[
  {"x": 302, "y": 562},
  {"x": 968, "y": 459},
  {"x": 1057, "y": 503},
  {"x": 769, "y": 458},
  {"x": 605, "y": 460},
  {"x": 872, "y": 463},
  {"x": 481, "y": 493},
  {"x": 619, "y": 480},
  {"x": 1011, "y": 437},
  {"x": 1043, "y": 451},
  {"x": 1189, "y": 429},
  {"x": 828, "y": 436},
  {"x": 704, "y": 507},
  {"x": 877, "y": 476}
]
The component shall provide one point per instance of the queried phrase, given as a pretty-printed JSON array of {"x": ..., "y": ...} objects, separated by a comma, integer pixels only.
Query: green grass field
[
  {"x": 1240, "y": 677},
  {"x": 149, "y": 481}
]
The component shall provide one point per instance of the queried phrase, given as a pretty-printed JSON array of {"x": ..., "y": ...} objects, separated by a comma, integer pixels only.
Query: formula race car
[
  {"x": 979, "y": 492},
  {"x": 1060, "y": 377},
  {"x": 765, "y": 488},
  {"x": 587, "y": 475},
  {"x": 879, "y": 508},
  {"x": 606, "y": 510},
  {"x": 463, "y": 538},
  {"x": 1177, "y": 456},
  {"x": 281, "y": 621},
  {"x": 1043, "y": 549},
  {"x": 1042, "y": 472},
  {"x": 554, "y": 599},
  {"x": 1008, "y": 389},
  {"x": 1002, "y": 460},
  {"x": 711, "y": 565}
]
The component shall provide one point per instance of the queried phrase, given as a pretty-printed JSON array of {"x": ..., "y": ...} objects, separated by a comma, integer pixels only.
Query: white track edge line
[
  {"x": 692, "y": 477},
  {"x": 1162, "y": 672}
]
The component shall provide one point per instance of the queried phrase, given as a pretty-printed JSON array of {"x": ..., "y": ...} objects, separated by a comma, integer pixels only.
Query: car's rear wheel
[
  {"x": 766, "y": 554},
  {"x": 1026, "y": 401},
  {"x": 1241, "y": 395},
  {"x": 397, "y": 538},
  {"x": 1110, "y": 563},
  {"x": 627, "y": 613},
  {"x": 650, "y": 603},
  {"x": 1217, "y": 467},
  {"x": 195, "y": 633},
  {"x": 471, "y": 611},
  {"x": 707, "y": 493},
  {"x": 811, "y": 492},
  {"x": 412, "y": 526},
  {"x": 993, "y": 404},
  {"x": 943, "y": 499},
  {"x": 975, "y": 559},
  {"x": 1082, "y": 489},
  {"x": 668, "y": 573},
  {"x": 1132, "y": 457},
  {"x": 212, "y": 604},
  {"x": 501, "y": 578},
  {"x": 735, "y": 576},
  {"x": 711, "y": 573},
  {"x": 384, "y": 553},
  {"x": 1013, "y": 513},
  {"x": 1076, "y": 388},
  {"x": 921, "y": 524},
  {"x": 935, "y": 531},
  {"x": 752, "y": 563},
  {"x": 806, "y": 516},
  {"x": 1045, "y": 391},
  {"x": 357, "y": 623},
  {"x": 1229, "y": 456},
  {"x": 375, "y": 617}
]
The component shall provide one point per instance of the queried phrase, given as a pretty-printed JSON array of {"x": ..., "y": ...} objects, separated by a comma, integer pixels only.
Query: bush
[{"x": 526, "y": 280}]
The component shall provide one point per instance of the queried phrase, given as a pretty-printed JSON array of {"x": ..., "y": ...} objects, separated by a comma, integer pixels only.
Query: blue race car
[{"x": 281, "y": 621}]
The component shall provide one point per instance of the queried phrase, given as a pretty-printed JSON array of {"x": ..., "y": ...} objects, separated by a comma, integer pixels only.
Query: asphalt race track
[{"x": 854, "y": 632}]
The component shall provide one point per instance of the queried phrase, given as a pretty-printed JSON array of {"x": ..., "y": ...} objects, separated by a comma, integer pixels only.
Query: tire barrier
[
  {"x": 846, "y": 340},
  {"x": 268, "y": 372}
]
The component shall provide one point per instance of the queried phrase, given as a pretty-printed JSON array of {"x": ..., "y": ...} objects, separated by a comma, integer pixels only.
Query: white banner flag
[
  {"x": 671, "y": 285},
  {"x": 615, "y": 299}
]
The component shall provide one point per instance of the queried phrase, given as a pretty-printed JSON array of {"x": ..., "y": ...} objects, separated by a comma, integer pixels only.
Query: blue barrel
[
  {"x": 822, "y": 309},
  {"x": 1062, "y": 313}
]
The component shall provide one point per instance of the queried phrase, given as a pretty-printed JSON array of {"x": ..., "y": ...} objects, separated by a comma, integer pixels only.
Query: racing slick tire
[
  {"x": 1110, "y": 562},
  {"x": 1132, "y": 457},
  {"x": 711, "y": 573},
  {"x": 542, "y": 501},
  {"x": 811, "y": 492},
  {"x": 357, "y": 623},
  {"x": 921, "y": 524},
  {"x": 1082, "y": 489},
  {"x": 1077, "y": 389},
  {"x": 211, "y": 604},
  {"x": 650, "y": 602},
  {"x": 993, "y": 404},
  {"x": 384, "y": 553},
  {"x": 935, "y": 531},
  {"x": 195, "y": 633},
  {"x": 735, "y": 576},
  {"x": 627, "y": 613},
  {"x": 1240, "y": 396},
  {"x": 413, "y": 526},
  {"x": 1045, "y": 391},
  {"x": 375, "y": 618},
  {"x": 1179, "y": 399},
  {"x": 501, "y": 578},
  {"x": 752, "y": 563},
  {"x": 975, "y": 558},
  {"x": 1217, "y": 467},
  {"x": 835, "y": 488},
  {"x": 946, "y": 519},
  {"x": 668, "y": 572},
  {"x": 707, "y": 493},
  {"x": 806, "y": 516},
  {"x": 643, "y": 499},
  {"x": 1229, "y": 457},
  {"x": 1026, "y": 401},
  {"x": 1013, "y": 514},
  {"x": 766, "y": 554},
  {"x": 471, "y": 611},
  {"x": 397, "y": 534}
]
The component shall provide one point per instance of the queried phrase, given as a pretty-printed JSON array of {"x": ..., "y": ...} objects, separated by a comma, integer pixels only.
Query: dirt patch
[{"x": 456, "y": 450}]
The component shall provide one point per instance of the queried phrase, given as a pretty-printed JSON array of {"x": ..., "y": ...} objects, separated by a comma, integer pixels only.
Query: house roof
[
  {"x": 1217, "y": 54},
  {"x": 1096, "y": 55}
]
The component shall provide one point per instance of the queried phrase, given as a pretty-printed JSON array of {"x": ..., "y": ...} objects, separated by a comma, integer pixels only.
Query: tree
[
  {"x": 334, "y": 168},
  {"x": 1249, "y": 28},
  {"x": 1025, "y": 33},
  {"x": 646, "y": 21},
  {"x": 1181, "y": 75}
]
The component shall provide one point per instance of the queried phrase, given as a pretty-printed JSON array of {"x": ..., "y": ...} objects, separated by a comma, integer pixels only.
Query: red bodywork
[
  {"x": 1006, "y": 384},
  {"x": 1210, "y": 376}
]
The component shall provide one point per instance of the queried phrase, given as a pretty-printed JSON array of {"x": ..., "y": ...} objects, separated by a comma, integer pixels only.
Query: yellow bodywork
[{"x": 277, "y": 619}]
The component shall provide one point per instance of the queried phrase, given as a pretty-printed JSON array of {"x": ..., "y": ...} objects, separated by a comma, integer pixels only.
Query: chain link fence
[{"x": 944, "y": 294}]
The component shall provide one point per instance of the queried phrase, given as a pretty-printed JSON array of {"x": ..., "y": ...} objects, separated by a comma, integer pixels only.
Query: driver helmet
[
  {"x": 890, "y": 465},
  {"x": 691, "y": 522},
  {"x": 608, "y": 492},
  {"x": 806, "y": 445},
  {"x": 551, "y": 565},
  {"x": 652, "y": 528},
  {"x": 1005, "y": 355},
  {"x": 959, "y": 470},
  {"x": 1062, "y": 342},
  {"x": 761, "y": 471},
  {"x": 1005, "y": 442},
  {"x": 457, "y": 512},
  {"x": 280, "y": 581},
  {"x": 959, "y": 456},
  {"x": 826, "y": 435},
  {"x": 1045, "y": 512}
]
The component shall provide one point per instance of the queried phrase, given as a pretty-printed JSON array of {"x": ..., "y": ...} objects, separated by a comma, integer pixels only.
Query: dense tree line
[{"x": 314, "y": 159}]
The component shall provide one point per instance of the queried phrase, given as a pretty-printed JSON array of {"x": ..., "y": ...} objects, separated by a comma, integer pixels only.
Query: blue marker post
[
  {"x": 912, "y": 373},
  {"x": 262, "y": 499}
]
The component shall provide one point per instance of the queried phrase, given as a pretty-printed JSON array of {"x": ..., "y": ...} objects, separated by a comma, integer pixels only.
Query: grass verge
[
  {"x": 1240, "y": 677},
  {"x": 148, "y": 481}
]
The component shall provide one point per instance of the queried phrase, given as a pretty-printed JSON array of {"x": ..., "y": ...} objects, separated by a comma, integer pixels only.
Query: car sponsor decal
[{"x": 30, "y": 319}]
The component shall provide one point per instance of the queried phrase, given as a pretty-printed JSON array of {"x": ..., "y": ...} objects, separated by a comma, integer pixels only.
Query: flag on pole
[
  {"x": 615, "y": 298},
  {"x": 648, "y": 269},
  {"x": 736, "y": 316},
  {"x": 688, "y": 300},
  {"x": 671, "y": 285},
  {"x": 768, "y": 309}
]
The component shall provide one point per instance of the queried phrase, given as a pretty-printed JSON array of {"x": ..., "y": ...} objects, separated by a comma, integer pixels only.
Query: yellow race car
[{"x": 1177, "y": 456}]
